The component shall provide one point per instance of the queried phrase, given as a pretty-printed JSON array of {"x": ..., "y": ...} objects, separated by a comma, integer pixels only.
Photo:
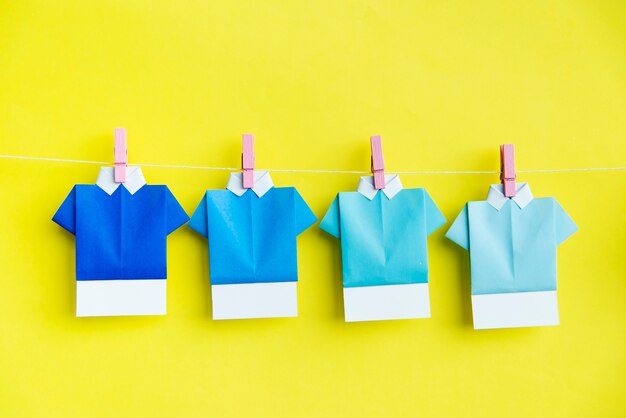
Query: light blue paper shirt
[
  {"x": 512, "y": 242},
  {"x": 383, "y": 240}
]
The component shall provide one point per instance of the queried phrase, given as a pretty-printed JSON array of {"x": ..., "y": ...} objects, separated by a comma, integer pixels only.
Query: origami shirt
[
  {"x": 120, "y": 231},
  {"x": 512, "y": 242},
  {"x": 252, "y": 232},
  {"x": 383, "y": 234}
]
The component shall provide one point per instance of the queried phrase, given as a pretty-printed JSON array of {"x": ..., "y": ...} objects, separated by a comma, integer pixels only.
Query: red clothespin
[
  {"x": 247, "y": 161},
  {"x": 121, "y": 155},
  {"x": 378, "y": 164},
  {"x": 507, "y": 169}
]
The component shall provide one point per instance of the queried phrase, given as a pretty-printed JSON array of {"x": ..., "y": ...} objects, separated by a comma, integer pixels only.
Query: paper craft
[
  {"x": 383, "y": 237},
  {"x": 252, "y": 246},
  {"x": 121, "y": 231},
  {"x": 512, "y": 244}
]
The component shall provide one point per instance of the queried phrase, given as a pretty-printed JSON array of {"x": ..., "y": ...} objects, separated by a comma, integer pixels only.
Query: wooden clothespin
[
  {"x": 378, "y": 164},
  {"x": 247, "y": 161},
  {"x": 507, "y": 169},
  {"x": 121, "y": 155}
]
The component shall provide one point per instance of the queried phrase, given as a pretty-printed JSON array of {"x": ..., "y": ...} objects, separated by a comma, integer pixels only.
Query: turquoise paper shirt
[
  {"x": 512, "y": 242},
  {"x": 383, "y": 240}
]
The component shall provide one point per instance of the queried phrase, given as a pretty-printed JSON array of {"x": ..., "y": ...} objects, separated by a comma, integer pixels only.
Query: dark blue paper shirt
[{"x": 123, "y": 235}]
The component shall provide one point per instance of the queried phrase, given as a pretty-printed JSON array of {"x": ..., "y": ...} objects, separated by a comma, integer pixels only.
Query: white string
[{"x": 287, "y": 170}]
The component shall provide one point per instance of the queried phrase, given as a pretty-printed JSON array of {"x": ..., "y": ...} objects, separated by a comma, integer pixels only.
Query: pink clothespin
[
  {"x": 121, "y": 155},
  {"x": 507, "y": 169},
  {"x": 247, "y": 161},
  {"x": 378, "y": 164}
]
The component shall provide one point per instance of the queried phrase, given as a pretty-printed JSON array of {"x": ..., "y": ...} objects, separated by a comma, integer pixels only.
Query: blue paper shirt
[
  {"x": 512, "y": 249},
  {"x": 252, "y": 239},
  {"x": 383, "y": 241},
  {"x": 123, "y": 235}
]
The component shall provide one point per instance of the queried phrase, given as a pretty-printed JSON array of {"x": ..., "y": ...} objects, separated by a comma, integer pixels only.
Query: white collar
[
  {"x": 393, "y": 185},
  {"x": 262, "y": 183},
  {"x": 497, "y": 199},
  {"x": 134, "y": 180}
]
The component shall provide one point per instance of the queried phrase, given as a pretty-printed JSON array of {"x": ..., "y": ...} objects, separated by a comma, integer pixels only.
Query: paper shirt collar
[
  {"x": 134, "y": 180},
  {"x": 393, "y": 185},
  {"x": 497, "y": 199},
  {"x": 262, "y": 183}
]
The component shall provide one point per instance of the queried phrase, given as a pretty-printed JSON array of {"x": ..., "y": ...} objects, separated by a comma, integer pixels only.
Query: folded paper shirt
[
  {"x": 512, "y": 245},
  {"x": 252, "y": 240},
  {"x": 384, "y": 243},
  {"x": 121, "y": 234}
]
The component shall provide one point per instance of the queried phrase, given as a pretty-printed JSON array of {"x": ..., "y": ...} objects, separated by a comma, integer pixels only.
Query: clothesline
[{"x": 287, "y": 170}]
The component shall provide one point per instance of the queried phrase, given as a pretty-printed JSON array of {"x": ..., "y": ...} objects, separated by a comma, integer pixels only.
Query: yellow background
[{"x": 444, "y": 83}]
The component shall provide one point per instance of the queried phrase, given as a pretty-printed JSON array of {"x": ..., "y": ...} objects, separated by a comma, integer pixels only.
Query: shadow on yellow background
[{"x": 444, "y": 83}]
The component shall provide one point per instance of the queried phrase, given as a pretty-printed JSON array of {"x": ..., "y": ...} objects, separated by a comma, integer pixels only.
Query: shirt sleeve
[
  {"x": 434, "y": 217},
  {"x": 564, "y": 225},
  {"x": 66, "y": 214},
  {"x": 330, "y": 222},
  {"x": 304, "y": 215},
  {"x": 199, "y": 221},
  {"x": 176, "y": 215},
  {"x": 459, "y": 231}
]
